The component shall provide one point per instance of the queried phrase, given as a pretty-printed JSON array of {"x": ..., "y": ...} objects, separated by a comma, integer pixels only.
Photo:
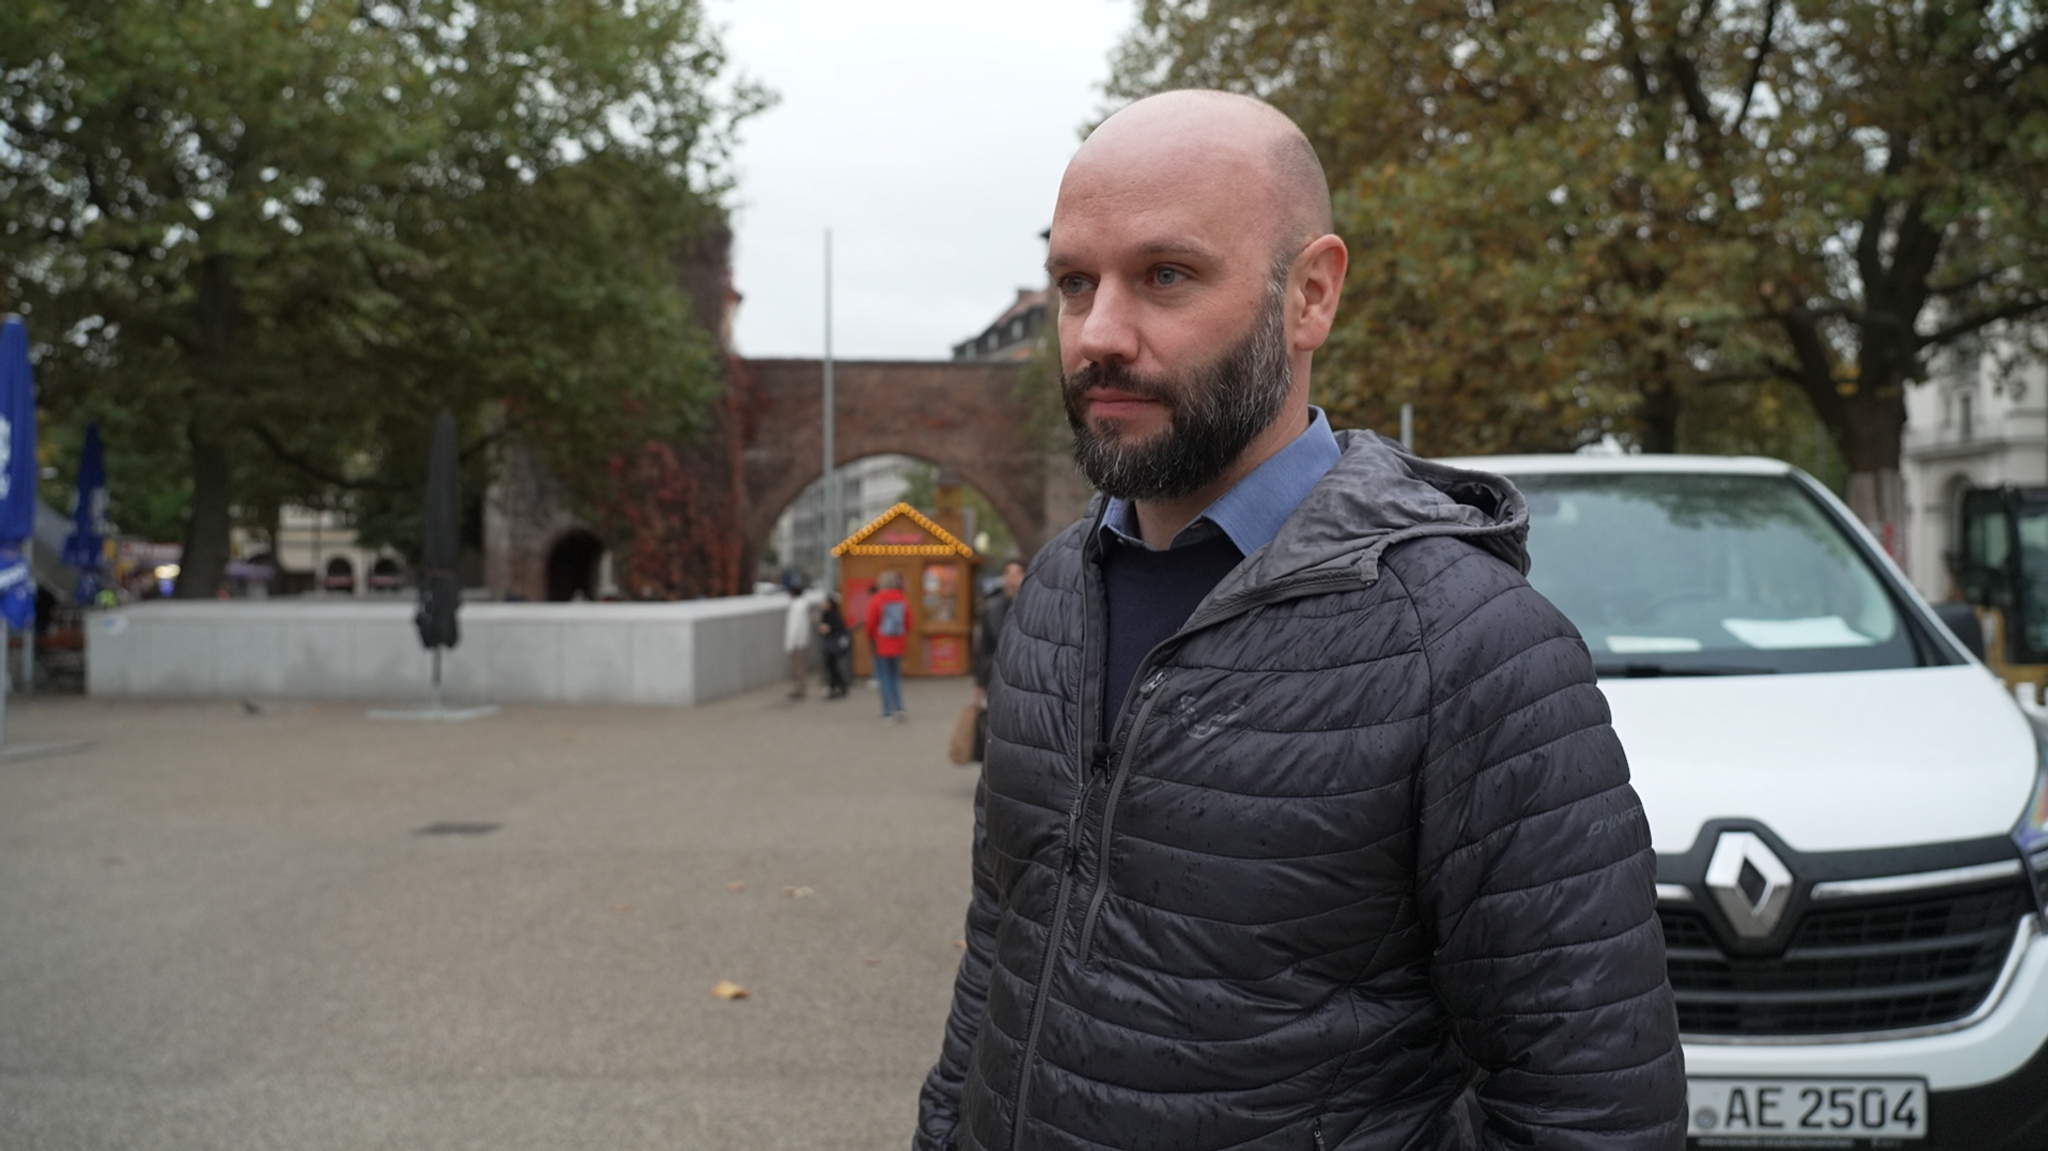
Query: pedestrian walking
[
  {"x": 1301, "y": 823},
  {"x": 989, "y": 618},
  {"x": 888, "y": 626},
  {"x": 796, "y": 640},
  {"x": 835, "y": 647}
]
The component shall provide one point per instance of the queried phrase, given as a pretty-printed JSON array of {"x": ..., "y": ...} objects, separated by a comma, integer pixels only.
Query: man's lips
[{"x": 1110, "y": 404}]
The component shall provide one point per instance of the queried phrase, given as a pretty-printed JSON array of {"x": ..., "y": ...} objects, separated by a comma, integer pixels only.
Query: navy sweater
[{"x": 1150, "y": 595}]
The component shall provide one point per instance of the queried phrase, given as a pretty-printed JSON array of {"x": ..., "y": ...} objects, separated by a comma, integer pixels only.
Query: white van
[{"x": 1848, "y": 810}]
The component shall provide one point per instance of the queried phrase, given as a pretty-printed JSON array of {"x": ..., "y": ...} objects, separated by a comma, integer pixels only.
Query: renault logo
[{"x": 1749, "y": 883}]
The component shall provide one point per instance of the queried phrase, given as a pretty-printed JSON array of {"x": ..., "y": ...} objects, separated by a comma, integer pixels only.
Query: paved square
[{"x": 225, "y": 930}]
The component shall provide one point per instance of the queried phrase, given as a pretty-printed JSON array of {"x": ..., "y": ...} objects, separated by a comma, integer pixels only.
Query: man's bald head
[
  {"x": 1224, "y": 130},
  {"x": 1197, "y": 275}
]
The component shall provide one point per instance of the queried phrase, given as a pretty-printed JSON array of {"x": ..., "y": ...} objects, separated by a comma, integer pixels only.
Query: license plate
[{"x": 1780, "y": 1111}]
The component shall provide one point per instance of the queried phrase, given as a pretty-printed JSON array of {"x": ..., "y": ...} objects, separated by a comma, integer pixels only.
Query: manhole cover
[{"x": 458, "y": 828}]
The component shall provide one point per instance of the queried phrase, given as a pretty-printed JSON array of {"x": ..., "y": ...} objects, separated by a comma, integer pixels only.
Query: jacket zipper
[
  {"x": 1094, "y": 755},
  {"x": 1052, "y": 950},
  {"x": 1148, "y": 695},
  {"x": 1317, "y": 1131},
  {"x": 1068, "y": 864},
  {"x": 1271, "y": 594}
]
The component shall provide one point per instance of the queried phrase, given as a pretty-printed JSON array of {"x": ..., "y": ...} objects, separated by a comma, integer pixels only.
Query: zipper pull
[
  {"x": 1317, "y": 1131},
  {"x": 1152, "y": 684},
  {"x": 1098, "y": 757}
]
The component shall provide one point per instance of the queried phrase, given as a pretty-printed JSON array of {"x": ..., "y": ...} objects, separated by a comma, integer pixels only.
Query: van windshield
[{"x": 1687, "y": 574}]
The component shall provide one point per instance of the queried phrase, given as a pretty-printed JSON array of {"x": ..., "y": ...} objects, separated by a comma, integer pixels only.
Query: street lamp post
[{"x": 833, "y": 514}]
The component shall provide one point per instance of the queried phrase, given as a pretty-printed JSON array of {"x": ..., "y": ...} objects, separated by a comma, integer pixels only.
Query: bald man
[{"x": 1301, "y": 825}]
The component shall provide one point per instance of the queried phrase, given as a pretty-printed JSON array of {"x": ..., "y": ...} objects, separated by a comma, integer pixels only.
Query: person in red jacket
[{"x": 888, "y": 623}]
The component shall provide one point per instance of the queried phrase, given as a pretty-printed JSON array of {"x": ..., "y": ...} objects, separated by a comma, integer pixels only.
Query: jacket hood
[{"x": 1377, "y": 495}]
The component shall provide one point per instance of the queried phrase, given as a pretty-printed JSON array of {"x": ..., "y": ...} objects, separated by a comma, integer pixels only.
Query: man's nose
[{"x": 1109, "y": 330}]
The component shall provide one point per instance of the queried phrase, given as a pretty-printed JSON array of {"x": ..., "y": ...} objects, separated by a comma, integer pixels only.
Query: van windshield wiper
[{"x": 1645, "y": 670}]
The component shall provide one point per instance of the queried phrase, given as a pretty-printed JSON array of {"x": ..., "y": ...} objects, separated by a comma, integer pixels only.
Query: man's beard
[{"x": 1214, "y": 412}]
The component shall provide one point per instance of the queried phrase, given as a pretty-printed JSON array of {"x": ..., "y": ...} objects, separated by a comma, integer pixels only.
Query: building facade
[
  {"x": 1015, "y": 335},
  {"x": 1980, "y": 419}
]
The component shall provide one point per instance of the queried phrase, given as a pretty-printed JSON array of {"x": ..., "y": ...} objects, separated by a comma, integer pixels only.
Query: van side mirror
[{"x": 1961, "y": 621}]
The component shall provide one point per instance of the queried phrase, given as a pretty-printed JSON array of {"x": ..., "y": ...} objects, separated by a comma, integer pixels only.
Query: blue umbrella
[
  {"x": 17, "y": 473},
  {"x": 85, "y": 548}
]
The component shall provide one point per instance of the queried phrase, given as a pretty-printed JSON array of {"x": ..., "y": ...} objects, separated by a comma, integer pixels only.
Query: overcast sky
[{"x": 929, "y": 136}]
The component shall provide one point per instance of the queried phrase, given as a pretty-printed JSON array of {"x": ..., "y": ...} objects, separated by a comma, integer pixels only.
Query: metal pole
[
  {"x": 28, "y": 641},
  {"x": 1408, "y": 426},
  {"x": 833, "y": 516}
]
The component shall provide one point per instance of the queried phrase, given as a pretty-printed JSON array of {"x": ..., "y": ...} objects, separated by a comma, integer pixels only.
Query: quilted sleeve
[
  {"x": 1537, "y": 875},
  {"x": 938, "y": 1107}
]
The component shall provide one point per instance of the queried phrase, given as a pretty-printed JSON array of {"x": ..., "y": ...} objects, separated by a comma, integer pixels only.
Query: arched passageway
[
  {"x": 970, "y": 418},
  {"x": 975, "y": 420},
  {"x": 340, "y": 577},
  {"x": 868, "y": 488},
  {"x": 573, "y": 565}
]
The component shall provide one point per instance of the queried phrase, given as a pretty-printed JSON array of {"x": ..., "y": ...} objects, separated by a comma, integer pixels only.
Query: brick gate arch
[{"x": 968, "y": 418}]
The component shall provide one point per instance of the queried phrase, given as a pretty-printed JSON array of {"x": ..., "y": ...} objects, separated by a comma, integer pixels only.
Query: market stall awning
[{"x": 902, "y": 531}]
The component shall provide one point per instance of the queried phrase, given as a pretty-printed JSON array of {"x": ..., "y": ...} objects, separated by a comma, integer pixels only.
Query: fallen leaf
[
  {"x": 960, "y": 943},
  {"x": 870, "y": 960},
  {"x": 798, "y": 892},
  {"x": 736, "y": 886},
  {"x": 622, "y": 907},
  {"x": 727, "y": 989}
]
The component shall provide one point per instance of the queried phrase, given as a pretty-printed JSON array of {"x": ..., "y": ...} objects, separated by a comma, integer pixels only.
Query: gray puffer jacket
[{"x": 1359, "y": 868}]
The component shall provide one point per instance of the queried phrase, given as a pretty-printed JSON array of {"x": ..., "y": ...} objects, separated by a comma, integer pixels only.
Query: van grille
[{"x": 1879, "y": 965}]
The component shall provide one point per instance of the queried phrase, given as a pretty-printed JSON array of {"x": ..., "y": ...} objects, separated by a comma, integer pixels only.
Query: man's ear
[{"x": 1318, "y": 281}]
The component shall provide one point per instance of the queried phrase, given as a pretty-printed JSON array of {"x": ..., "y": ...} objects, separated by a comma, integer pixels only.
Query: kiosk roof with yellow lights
[{"x": 874, "y": 539}]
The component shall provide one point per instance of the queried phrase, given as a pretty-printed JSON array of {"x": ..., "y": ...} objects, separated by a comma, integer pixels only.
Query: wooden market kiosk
[{"x": 938, "y": 582}]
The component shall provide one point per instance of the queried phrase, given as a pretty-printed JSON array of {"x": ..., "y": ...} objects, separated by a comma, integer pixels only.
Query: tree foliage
[
  {"x": 283, "y": 234},
  {"x": 1569, "y": 219}
]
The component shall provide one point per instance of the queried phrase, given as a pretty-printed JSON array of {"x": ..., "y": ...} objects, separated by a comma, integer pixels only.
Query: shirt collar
[{"x": 1251, "y": 512}]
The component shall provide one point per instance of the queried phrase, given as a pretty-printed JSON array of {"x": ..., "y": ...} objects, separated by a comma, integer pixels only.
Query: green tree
[
  {"x": 284, "y": 234},
  {"x": 1574, "y": 218}
]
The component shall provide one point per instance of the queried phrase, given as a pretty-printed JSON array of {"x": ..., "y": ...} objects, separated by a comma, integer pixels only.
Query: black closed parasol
[{"x": 440, "y": 587}]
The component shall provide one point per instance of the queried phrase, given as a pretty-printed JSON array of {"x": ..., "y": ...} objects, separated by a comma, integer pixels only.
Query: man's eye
[
  {"x": 1166, "y": 276},
  {"x": 1074, "y": 285}
]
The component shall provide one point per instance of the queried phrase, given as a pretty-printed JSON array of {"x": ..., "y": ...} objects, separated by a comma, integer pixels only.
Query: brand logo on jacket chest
[{"x": 1200, "y": 721}]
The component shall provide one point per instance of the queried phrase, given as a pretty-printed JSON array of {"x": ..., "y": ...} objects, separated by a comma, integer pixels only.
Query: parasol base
[
  {"x": 436, "y": 712},
  {"x": 15, "y": 752}
]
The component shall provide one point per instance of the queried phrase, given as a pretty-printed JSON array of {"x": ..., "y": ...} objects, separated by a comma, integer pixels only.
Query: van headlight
[{"x": 2032, "y": 837}]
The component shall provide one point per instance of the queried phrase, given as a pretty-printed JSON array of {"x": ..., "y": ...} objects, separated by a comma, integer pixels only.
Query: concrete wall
[{"x": 631, "y": 653}]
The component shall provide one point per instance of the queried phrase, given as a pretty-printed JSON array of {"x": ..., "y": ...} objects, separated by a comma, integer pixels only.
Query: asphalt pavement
[{"x": 297, "y": 928}]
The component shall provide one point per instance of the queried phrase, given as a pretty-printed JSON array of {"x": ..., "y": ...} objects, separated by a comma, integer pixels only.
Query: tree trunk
[
  {"x": 1657, "y": 417},
  {"x": 205, "y": 562},
  {"x": 1874, "y": 421},
  {"x": 1866, "y": 414}
]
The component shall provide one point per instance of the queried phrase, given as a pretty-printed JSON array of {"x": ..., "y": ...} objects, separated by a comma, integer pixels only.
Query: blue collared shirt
[{"x": 1251, "y": 512}]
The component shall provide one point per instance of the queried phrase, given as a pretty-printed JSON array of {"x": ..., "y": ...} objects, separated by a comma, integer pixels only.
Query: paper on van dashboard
[
  {"x": 1651, "y": 644},
  {"x": 1775, "y": 634}
]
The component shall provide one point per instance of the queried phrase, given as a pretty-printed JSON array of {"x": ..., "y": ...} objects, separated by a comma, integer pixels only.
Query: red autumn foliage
[{"x": 676, "y": 508}]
